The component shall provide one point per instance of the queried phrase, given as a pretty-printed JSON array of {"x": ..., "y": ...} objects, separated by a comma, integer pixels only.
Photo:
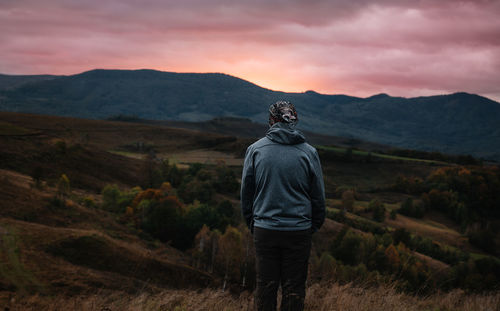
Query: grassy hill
[
  {"x": 96, "y": 246},
  {"x": 458, "y": 123}
]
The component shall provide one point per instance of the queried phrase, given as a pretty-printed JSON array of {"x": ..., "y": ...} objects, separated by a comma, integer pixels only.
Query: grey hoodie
[{"x": 282, "y": 183}]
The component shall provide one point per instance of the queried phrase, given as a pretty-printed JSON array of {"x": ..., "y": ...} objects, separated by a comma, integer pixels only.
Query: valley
[{"x": 137, "y": 199}]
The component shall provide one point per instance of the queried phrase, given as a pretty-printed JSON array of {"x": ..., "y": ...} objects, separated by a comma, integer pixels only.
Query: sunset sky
[{"x": 403, "y": 48}]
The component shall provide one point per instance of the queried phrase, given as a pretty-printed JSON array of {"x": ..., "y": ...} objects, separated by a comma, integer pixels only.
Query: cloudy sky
[{"x": 404, "y": 48}]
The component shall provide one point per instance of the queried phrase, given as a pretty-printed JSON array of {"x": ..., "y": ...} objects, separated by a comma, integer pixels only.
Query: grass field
[{"x": 204, "y": 156}]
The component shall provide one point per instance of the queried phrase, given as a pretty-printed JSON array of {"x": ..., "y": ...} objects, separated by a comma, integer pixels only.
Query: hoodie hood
[{"x": 284, "y": 133}]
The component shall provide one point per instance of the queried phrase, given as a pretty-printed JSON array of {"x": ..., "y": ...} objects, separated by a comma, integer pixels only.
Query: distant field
[
  {"x": 203, "y": 156},
  {"x": 11, "y": 129},
  {"x": 375, "y": 154},
  {"x": 183, "y": 159}
]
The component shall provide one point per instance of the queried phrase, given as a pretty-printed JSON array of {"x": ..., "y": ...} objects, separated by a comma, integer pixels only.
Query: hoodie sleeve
[
  {"x": 248, "y": 188},
  {"x": 317, "y": 194}
]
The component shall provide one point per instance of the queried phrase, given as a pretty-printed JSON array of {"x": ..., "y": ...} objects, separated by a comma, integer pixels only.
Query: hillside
[
  {"x": 458, "y": 123},
  {"x": 93, "y": 238},
  {"x": 14, "y": 81}
]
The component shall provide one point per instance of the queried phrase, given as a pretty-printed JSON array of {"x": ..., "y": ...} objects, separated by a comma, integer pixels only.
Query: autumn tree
[
  {"x": 202, "y": 252},
  {"x": 63, "y": 187},
  {"x": 115, "y": 200},
  {"x": 163, "y": 220},
  {"x": 348, "y": 200},
  {"x": 248, "y": 269},
  {"x": 230, "y": 254},
  {"x": 392, "y": 256}
]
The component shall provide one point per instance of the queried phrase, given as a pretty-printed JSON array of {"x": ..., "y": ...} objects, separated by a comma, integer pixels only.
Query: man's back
[
  {"x": 287, "y": 181},
  {"x": 283, "y": 202}
]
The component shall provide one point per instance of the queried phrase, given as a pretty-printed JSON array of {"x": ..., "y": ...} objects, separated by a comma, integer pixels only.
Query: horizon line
[{"x": 274, "y": 90}]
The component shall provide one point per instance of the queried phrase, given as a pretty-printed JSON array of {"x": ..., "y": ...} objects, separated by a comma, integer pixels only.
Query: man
[{"x": 283, "y": 203}]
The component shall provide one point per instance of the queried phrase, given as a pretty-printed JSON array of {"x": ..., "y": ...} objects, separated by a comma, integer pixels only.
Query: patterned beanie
[{"x": 282, "y": 111}]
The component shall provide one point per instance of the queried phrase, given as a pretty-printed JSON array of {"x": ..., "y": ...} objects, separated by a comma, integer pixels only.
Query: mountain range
[{"x": 458, "y": 123}]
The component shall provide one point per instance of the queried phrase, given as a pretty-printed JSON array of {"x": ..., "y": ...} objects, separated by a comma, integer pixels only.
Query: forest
[{"x": 196, "y": 210}]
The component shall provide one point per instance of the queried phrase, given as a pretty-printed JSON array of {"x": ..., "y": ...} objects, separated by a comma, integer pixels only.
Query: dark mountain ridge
[
  {"x": 13, "y": 81},
  {"x": 458, "y": 123}
]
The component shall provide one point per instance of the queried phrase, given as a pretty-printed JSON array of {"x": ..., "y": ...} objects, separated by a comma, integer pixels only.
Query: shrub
[
  {"x": 116, "y": 201},
  {"x": 348, "y": 200},
  {"x": 350, "y": 248},
  {"x": 89, "y": 202}
]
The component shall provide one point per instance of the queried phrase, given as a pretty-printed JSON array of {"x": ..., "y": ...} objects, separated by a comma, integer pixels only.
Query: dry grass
[
  {"x": 319, "y": 297},
  {"x": 430, "y": 229},
  {"x": 386, "y": 298},
  {"x": 205, "y": 156}
]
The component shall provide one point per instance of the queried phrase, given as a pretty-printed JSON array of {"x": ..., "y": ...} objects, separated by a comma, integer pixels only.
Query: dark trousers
[{"x": 282, "y": 258}]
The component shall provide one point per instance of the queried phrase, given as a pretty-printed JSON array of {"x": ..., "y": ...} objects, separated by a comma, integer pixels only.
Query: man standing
[{"x": 283, "y": 203}]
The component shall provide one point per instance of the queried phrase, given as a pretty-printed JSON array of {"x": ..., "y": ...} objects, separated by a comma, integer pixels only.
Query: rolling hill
[
  {"x": 458, "y": 123},
  {"x": 72, "y": 251}
]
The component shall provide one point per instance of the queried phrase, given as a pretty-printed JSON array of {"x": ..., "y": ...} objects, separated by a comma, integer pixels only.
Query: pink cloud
[{"x": 404, "y": 48}]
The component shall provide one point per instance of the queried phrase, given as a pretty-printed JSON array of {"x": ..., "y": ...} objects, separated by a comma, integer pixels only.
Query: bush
[
  {"x": 403, "y": 236},
  {"x": 349, "y": 250},
  {"x": 116, "y": 201},
  {"x": 378, "y": 210},
  {"x": 163, "y": 220},
  {"x": 56, "y": 202},
  {"x": 348, "y": 198},
  {"x": 89, "y": 202}
]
